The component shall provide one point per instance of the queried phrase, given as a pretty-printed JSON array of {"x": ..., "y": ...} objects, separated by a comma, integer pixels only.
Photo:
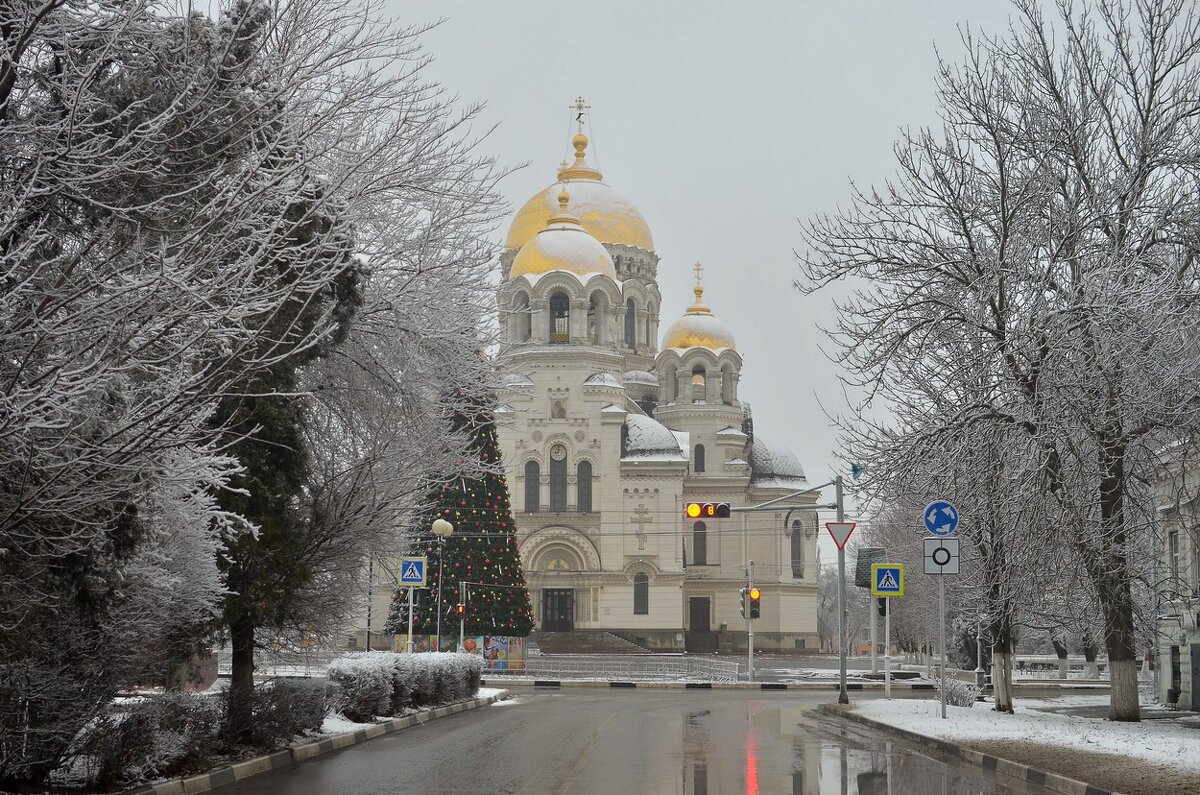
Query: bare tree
[{"x": 1044, "y": 242}]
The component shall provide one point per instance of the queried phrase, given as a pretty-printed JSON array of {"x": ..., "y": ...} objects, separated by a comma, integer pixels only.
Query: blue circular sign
[{"x": 941, "y": 517}]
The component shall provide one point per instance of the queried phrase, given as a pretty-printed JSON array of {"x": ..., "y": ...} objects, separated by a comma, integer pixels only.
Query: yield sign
[{"x": 840, "y": 531}]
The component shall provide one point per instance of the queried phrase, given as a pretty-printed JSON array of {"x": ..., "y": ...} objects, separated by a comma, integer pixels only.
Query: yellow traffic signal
[
  {"x": 755, "y": 593},
  {"x": 706, "y": 510}
]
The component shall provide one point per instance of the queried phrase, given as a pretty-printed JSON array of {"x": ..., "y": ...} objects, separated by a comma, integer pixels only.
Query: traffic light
[
  {"x": 882, "y": 607},
  {"x": 754, "y": 595},
  {"x": 706, "y": 510},
  {"x": 460, "y": 610},
  {"x": 743, "y": 593}
]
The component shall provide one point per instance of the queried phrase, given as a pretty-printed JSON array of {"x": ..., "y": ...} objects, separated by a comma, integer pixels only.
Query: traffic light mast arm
[{"x": 766, "y": 506}]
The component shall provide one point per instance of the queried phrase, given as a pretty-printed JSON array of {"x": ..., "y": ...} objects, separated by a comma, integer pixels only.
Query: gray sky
[{"x": 724, "y": 123}]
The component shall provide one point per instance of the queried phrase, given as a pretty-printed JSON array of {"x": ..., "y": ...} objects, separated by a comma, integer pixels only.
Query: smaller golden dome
[
  {"x": 699, "y": 327},
  {"x": 563, "y": 245}
]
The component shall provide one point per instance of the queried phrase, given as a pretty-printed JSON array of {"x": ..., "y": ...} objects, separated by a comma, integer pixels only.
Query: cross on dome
[{"x": 579, "y": 107}]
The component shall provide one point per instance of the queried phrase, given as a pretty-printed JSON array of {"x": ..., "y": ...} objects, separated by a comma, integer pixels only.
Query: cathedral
[{"x": 607, "y": 434}]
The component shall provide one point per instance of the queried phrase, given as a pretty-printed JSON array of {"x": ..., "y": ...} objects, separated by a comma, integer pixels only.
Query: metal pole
[
  {"x": 749, "y": 621},
  {"x": 843, "y": 697},
  {"x": 887, "y": 648},
  {"x": 441, "y": 564},
  {"x": 410, "y": 620},
  {"x": 980, "y": 674},
  {"x": 942, "y": 637},
  {"x": 462, "y": 620},
  {"x": 370, "y": 584}
]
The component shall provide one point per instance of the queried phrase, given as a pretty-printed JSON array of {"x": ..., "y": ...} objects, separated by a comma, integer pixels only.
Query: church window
[
  {"x": 584, "y": 486},
  {"x": 624, "y": 440},
  {"x": 641, "y": 595},
  {"x": 560, "y": 318},
  {"x": 533, "y": 477},
  {"x": 630, "y": 324},
  {"x": 699, "y": 383},
  {"x": 700, "y": 544},
  {"x": 558, "y": 478},
  {"x": 797, "y": 550},
  {"x": 522, "y": 320},
  {"x": 698, "y": 459}
]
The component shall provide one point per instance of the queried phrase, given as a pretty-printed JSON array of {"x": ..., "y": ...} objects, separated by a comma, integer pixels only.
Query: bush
[
  {"x": 285, "y": 709},
  {"x": 960, "y": 694},
  {"x": 384, "y": 684}
]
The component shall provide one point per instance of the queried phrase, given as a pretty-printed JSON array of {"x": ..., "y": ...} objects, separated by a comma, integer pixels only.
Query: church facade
[{"x": 607, "y": 434}]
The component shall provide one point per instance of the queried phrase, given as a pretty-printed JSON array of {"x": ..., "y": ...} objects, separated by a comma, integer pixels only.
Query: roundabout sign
[{"x": 941, "y": 518}]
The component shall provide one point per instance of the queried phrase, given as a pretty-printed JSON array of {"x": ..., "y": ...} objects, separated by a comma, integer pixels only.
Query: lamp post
[{"x": 443, "y": 530}]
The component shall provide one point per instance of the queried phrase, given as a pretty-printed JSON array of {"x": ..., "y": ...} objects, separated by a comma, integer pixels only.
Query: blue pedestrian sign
[
  {"x": 412, "y": 572},
  {"x": 941, "y": 518},
  {"x": 887, "y": 579}
]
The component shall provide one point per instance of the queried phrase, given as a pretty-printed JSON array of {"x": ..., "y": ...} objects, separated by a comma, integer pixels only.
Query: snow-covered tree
[{"x": 1042, "y": 246}]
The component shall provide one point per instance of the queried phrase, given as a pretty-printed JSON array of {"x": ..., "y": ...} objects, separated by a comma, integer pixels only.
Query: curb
[
  {"x": 625, "y": 683},
  {"x": 289, "y": 757},
  {"x": 1030, "y": 775}
]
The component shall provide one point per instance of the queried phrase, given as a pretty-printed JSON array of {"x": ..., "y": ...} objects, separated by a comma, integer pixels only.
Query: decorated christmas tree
[{"x": 482, "y": 552}]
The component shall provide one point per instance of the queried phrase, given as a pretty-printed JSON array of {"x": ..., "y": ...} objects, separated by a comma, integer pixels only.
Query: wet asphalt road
[{"x": 637, "y": 741}]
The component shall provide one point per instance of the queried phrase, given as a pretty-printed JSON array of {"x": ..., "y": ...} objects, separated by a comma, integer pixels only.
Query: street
[{"x": 636, "y": 741}]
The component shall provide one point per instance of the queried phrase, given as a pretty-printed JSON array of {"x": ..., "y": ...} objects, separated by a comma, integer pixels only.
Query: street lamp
[{"x": 443, "y": 530}]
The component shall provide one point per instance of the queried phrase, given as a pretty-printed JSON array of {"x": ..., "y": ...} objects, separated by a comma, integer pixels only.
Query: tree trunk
[
  {"x": 1060, "y": 648},
  {"x": 241, "y": 684},
  {"x": 1091, "y": 670},
  {"x": 1003, "y": 643},
  {"x": 1121, "y": 643}
]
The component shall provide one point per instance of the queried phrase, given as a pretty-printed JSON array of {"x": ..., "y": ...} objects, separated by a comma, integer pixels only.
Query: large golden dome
[
  {"x": 699, "y": 328},
  {"x": 562, "y": 245},
  {"x": 605, "y": 214}
]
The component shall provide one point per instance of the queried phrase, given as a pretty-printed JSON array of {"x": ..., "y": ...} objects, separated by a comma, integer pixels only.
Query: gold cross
[
  {"x": 579, "y": 107},
  {"x": 698, "y": 268}
]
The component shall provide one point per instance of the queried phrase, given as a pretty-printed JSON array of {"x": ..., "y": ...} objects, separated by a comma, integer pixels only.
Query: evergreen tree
[{"x": 482, "y": 552}]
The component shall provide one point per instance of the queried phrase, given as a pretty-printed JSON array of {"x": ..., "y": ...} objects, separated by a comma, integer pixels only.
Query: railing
[
  {"x": 298, "y": 663},
  {"x": 628, "y": 668}
]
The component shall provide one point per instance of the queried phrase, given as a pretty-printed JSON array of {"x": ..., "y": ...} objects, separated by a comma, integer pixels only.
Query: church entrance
[
  {"x": 700, "y": 636},
  {"x": 558, "y": 609}
]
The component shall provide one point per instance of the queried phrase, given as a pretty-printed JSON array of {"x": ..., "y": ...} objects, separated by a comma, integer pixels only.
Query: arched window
[
  {"x": 560, "y": 318},
  {"x": 558, "y": 478},
  {"x": 583, "y": 480},
  {"x": 624, "y": 440},
  {"x": 797, "y": 550},
  {"x": 641, "y": 595},
  {"x": 630, "y": 324},
  {"x": 533, "y": 476},
  {"x": 699, "y": 384},
  {"x": 698, "y": 459},
  {"x": 522, "y": 323},
  {"x": 700, "y": 544}
]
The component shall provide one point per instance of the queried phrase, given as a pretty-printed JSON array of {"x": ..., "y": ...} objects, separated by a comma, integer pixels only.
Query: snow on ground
[
  {"x": 336, "y": 724},
  {"x": 1164, "y": 742},
  {"x": 488, "y": 692}
]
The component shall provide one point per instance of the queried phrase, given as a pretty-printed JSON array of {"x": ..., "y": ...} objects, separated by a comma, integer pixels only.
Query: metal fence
[
  {"x": 627, "y": 668},
  {"x": 291, "y": 663}
]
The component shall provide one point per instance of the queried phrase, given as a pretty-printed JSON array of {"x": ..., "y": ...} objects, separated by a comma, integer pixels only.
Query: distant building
[
  {"x": 606, "y": 436},
  {"x": 1177, "y": 574}
]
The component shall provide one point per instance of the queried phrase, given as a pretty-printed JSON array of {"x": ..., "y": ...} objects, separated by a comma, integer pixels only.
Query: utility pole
[
  {"x": 843, "y": 696},
  {"x": 749, "y": 620},
  {"x": 462, "y": 618}
]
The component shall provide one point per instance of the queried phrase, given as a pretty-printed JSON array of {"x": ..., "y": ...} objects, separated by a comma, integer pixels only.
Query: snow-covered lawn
[{"x": 1172, "y": 743}]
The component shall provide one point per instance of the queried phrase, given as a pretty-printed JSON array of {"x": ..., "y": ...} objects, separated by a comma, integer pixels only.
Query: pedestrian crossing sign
[
  {"x": 412, "y": 572},
  {"x": 887, "y": 579}
]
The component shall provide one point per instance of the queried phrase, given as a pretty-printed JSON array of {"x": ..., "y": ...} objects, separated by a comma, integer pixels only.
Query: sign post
[
  {"x": 887, "y": 581},
  {"x": 412, "y": 574},
  {"x": 840, "y": 531},
  {"x": 941, "y": 519}
]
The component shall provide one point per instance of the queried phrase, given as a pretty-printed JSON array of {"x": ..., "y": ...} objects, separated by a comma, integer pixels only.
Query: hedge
[{"x": 385, "y": 683}]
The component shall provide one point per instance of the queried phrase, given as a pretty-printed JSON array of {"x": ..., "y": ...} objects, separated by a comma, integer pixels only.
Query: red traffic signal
[
  {"x": 706, "y": 510},
  {"x": 460, "y": 609}
]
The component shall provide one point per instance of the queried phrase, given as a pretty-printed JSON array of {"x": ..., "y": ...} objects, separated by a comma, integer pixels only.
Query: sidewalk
[{"x": 1064, "y": 737}]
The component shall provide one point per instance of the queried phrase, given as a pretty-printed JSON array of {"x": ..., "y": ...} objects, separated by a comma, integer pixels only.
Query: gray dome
[
  {"x": 648, "y": 437},
  {"x": 773, "y": 465}
]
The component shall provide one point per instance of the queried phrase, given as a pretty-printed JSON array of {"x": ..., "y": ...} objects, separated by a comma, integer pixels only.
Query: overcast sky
[{"x": 725, "y": 124}]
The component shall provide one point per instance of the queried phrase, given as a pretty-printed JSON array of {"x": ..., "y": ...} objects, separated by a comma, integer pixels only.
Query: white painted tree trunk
[
  {"x": 1002, "y": 668},
  {"x": 1123, "y": 681}
]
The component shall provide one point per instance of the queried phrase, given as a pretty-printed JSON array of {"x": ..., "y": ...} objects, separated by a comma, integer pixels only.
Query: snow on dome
[
  {"x": 699, "y": 331},
  {"x": 563, "y": 246},
  {"x": 602, "y": 379},
  {"x": 649, "y": 437},
  {"x": 640, "y": 377},
  {"x": 774, "y": 466}
]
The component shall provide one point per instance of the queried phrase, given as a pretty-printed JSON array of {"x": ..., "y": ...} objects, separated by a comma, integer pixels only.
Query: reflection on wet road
[{"x": 640, "y": 741}]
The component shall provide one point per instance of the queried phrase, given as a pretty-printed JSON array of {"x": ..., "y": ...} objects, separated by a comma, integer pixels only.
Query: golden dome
[
  {"x": 562, "y": 245},
  {"x": 699, "y": 327},
  {"x": 605, "y": 214}
]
